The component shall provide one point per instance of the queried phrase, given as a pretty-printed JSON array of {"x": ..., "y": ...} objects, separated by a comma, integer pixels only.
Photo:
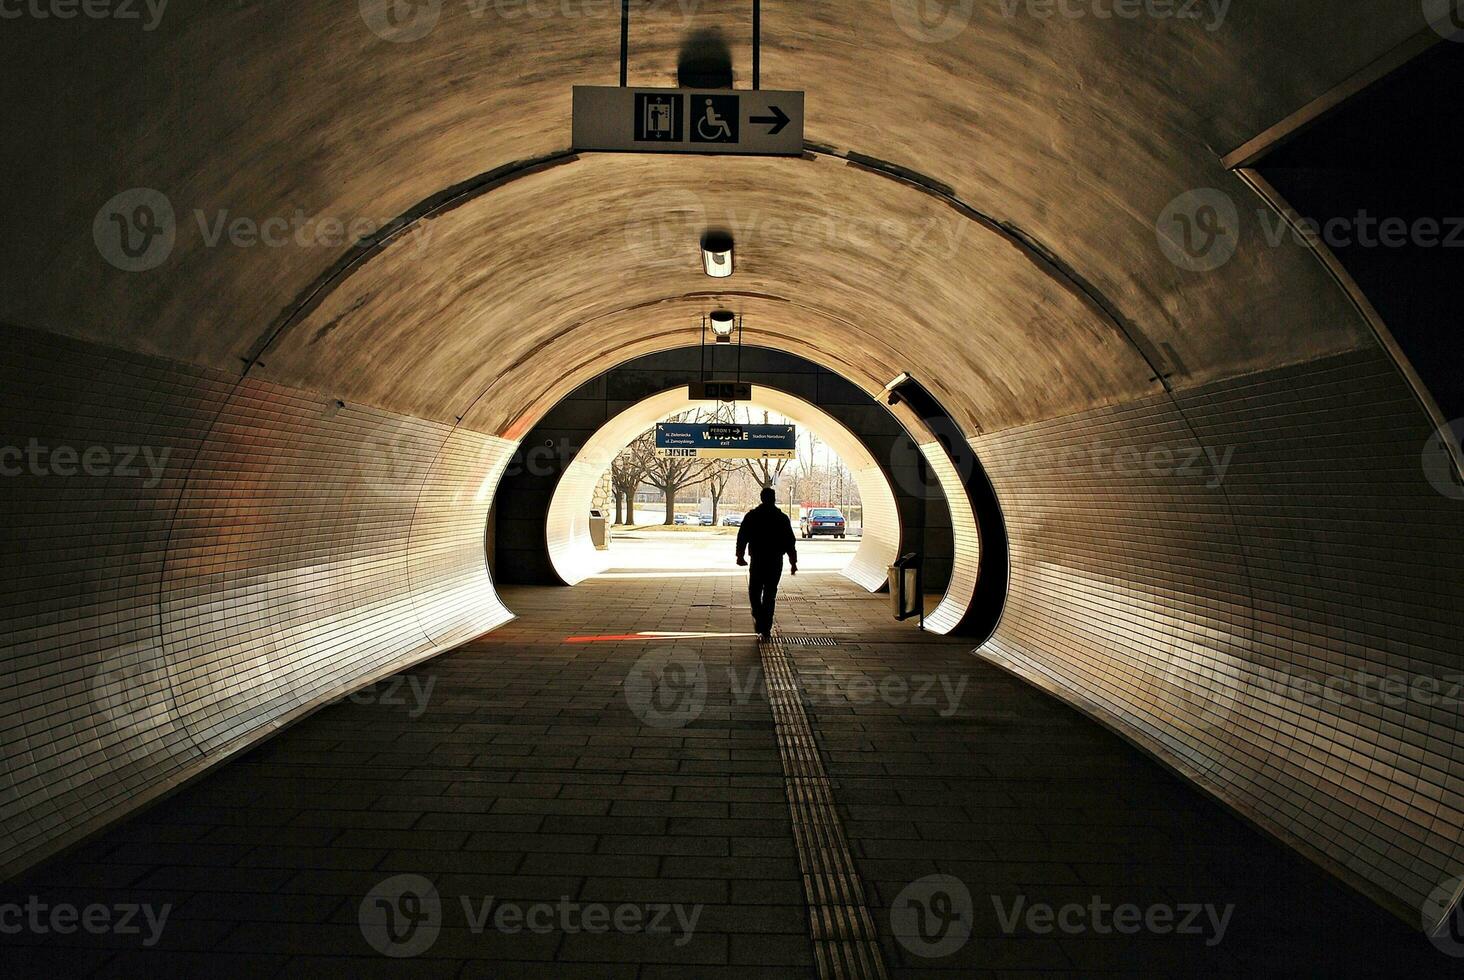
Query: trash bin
[
  {"x": 599, "y": 531},
  {"x": 906, "y": 593}
]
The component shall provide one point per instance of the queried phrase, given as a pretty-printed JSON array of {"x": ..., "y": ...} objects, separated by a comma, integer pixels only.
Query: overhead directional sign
[
  {"x": 720, "y": 391},
  {"x": 688, "y": 120},
  {"x": 716, "y": 441}
]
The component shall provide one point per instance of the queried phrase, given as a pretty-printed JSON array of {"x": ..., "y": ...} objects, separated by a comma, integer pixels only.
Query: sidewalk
[{"x": 590, "y": 773}]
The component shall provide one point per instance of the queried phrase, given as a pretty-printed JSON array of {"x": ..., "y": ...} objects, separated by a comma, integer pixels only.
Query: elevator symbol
[
  {"x": 716, "y": 118},
  {"x": 657, "y": 118}
]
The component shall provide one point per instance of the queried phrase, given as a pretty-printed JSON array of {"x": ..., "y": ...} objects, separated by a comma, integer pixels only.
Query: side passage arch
[{"x": 567, "y": 531}]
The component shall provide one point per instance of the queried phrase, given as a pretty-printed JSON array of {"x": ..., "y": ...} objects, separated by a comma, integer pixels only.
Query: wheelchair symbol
[{"x": 717, "y": 121}]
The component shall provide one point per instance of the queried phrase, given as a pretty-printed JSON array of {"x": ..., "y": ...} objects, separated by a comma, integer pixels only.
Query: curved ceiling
[{"x": 1058, "y": 129}]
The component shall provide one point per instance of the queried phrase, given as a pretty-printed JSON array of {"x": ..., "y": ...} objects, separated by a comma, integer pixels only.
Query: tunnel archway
[
  {"x": 902, "y": 452},
  {"x": 566, "y": 527},
  {"x": 1186, "y": 602}
]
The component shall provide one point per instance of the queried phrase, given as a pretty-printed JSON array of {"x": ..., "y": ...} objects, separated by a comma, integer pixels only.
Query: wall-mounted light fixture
[
  {"x": 893, "y": 388},
  {"x": 716, "y": 249}
]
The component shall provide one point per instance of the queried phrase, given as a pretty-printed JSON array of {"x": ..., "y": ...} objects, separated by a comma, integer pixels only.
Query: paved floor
[
  {"x": 709, "y": 550},
  {"x": 585, "y": 793}
]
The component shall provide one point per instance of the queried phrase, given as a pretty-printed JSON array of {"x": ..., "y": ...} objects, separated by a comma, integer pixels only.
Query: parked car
[
  {"x": 683, "y": 519},
  {"x": 732, "y": 520},
  {"x": 822, "y": 520},
  {"x": 706, "y": 520}
]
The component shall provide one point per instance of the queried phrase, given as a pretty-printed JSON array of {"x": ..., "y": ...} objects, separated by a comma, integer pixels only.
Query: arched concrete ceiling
[{"x": 1075, "y": 131}]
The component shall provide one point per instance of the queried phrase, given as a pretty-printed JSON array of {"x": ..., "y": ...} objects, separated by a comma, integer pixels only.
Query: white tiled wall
[
  {"x": 288, "y": 550},
  {"x": 1201, "y": 613}
]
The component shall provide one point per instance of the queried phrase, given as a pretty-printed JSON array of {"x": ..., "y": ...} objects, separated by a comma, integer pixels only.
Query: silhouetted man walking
[{"x": 767, "y": 533}]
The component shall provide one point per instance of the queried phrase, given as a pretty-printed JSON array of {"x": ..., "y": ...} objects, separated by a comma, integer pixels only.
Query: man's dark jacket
[{"x": 767, "y": 534}]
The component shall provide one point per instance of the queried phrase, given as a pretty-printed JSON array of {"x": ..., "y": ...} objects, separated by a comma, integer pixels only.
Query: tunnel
[
  {"x": 1133, "y": 321},
  {"x": 541, "y": 533}
]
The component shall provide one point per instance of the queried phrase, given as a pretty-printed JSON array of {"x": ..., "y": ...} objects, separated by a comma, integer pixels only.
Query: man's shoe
[{"x": 765, "y": 636}]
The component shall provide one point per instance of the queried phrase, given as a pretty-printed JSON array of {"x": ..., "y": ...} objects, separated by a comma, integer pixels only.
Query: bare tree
[
  {"x": 765, "y": 471},
  {"x": 718, "y": 476},
  {"x": 669, "y": 474},
  {"x": 628, "y": 472}
]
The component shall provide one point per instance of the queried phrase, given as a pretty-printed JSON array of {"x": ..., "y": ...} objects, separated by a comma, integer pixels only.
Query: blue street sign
[{"x": 705, "y": 440}]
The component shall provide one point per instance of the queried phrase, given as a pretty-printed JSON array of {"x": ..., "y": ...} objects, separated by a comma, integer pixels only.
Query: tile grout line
[{"x": 845, "y": 943}]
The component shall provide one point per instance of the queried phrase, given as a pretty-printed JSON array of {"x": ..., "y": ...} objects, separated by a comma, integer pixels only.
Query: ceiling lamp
[
  {"x": 716, "y": 249},
  {"x": 723, "y": 322}
]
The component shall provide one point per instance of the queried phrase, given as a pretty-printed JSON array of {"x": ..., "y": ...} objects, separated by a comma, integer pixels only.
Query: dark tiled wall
[
  {"x": 274, "y": 550},
  {"x": 1219, "y": 614}
]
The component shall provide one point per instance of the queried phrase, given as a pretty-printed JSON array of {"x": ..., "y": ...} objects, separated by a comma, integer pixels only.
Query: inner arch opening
[
  {"x": 898, "y": 446},
  {"x": 568, "y": 538}
]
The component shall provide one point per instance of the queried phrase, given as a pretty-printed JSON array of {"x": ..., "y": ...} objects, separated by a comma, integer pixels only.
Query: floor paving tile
[{"x": 548, "y": 769}]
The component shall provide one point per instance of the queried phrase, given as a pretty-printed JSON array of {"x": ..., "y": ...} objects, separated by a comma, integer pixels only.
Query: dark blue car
[{"x": 822, "y": 520}]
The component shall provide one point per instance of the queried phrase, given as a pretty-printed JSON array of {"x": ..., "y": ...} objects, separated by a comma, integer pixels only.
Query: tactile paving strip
[{"x": 845, "y": 943}]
